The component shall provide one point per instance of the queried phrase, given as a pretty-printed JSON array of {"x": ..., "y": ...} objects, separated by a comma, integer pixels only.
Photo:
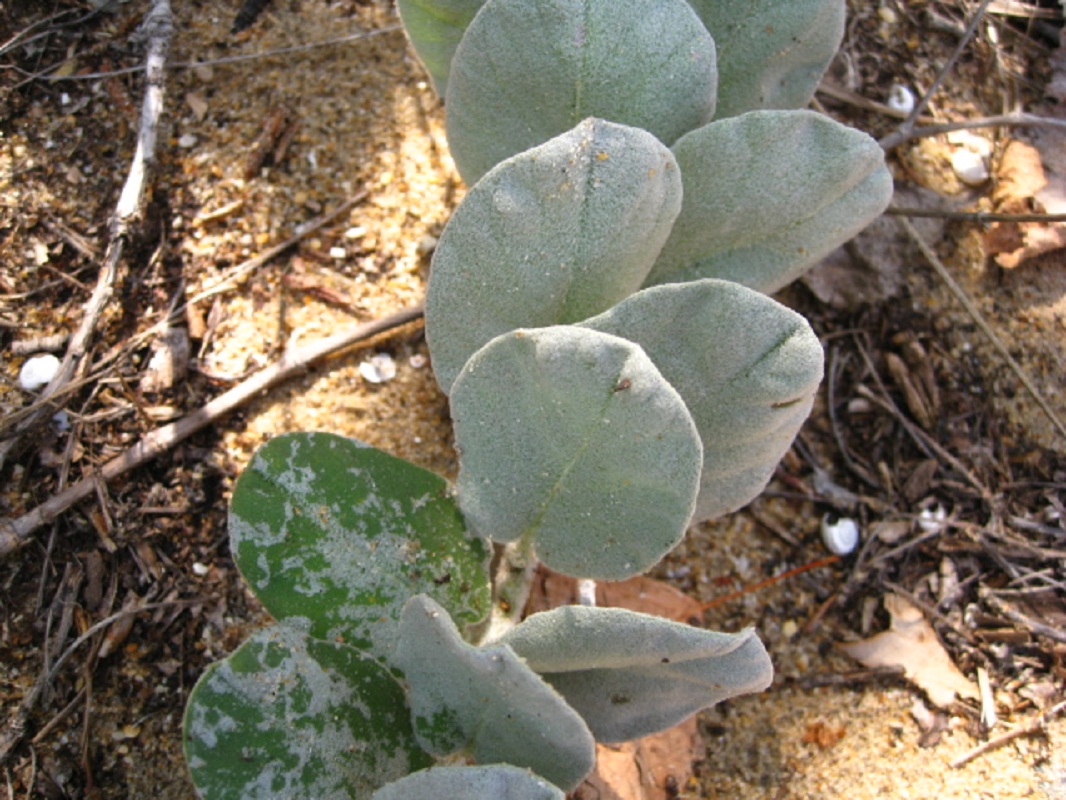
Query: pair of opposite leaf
[
  {"x": 516, "y": 73},
  {"x": 596, "y": 418},
  {"x": 545, "y": 692},
  {"x": 313, "y": 705}
]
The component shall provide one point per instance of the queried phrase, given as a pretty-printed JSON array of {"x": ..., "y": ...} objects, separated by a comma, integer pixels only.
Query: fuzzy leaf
[
  {"x": 746, "y": 367},
  {"x": 486, "y": 700},
  {"x": 768, "y": 194},
  {"x": 630, "y": 674},
  {"x": 527, "y": 71},
  {"x": 434, "y": 28},
  {"x": 287, "y": 716},
  {"x": 771, "y": 53},
  {"x": 333, "y": 531},
  {"x": 573, "y": 439},
  {"x": 496, "y": 782},
  {"x": 550, "y": 236}
]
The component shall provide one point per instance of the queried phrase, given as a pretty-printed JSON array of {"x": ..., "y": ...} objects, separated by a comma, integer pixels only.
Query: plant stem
[{"x": 511, "y": 587}]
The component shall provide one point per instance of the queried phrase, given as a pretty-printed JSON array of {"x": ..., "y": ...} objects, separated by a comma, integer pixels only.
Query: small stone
[
  {"x": 338, "y": 252},
  {"x": 426, "y": 245},
  {"x": 197, "y": 103},
  {"x": 204, "y": 72},
  {"x": 187, "y": 141}
]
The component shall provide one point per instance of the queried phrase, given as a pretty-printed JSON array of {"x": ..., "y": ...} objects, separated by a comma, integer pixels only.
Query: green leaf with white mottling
[
  {"x": 495, "y": 782},
  {"x": 434, "y": 28},
  {"x": 330, "y": 530},
  {"x": 746, "y": 366},
  {"x": 573, "y": 439},
  {"x": 287, "y": 717},
  {"x": 630, "y": 674},
  {"x": 486, "y": 701},
  {"x": 767, "y": 195},
  {"x": 550, "y": 236},
  {"x": 771, "y": 53},
  {"x": 527, "y": 71}
]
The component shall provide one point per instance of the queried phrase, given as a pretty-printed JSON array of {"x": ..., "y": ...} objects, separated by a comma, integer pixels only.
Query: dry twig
[
  {"x": 906, "y": 129},
  {"x": 1028, "y": 729},
  {"x": 979, "y": 217},
  {"x": 978, "y": 318},
  {"x": 15, "y": 533},
  {"x": 157, "y": 29},
  {"x": 16, "y": 727}
]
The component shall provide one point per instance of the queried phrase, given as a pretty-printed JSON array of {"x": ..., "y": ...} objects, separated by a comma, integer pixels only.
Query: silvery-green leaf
[
  {"x": 486, "y": 701},
  {"x": 769, "y": 193},
  {"x": 771, "y": 53},
  {"x": 287, "y": 716},
  {"x": 630, "y": 674},
  {"x": 550, "y": 236},
  {"x": 331, "y": 530},
  {"x": 434, "y": 28},
  {"x": 527, "y": 71},
  {"x": 573, "y": 439},
  {"x": 496, "y": 782},
  {"x": 746, "y": 366}
]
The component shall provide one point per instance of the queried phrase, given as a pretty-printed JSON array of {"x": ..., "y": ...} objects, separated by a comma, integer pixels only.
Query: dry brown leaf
[
  {"x": 646, "y": 769},
  {"x": 1019, "y": 176},
  {"x": 911, "y": 643},
  {"x": 1020, "y": 179},
  {"x": 1039, "y": 238}
]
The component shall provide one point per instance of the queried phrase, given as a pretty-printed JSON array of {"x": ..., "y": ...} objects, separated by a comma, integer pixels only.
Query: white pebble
[
  {"x": 842, "y": 536},
  {"x": 338, "y": 252},
  {"x": 379, "y": 368},
  {"x": 417, "y": 361},
  {"x": 38, "y": 371},
  {"x": 901, "y": 99},
  {"x": 200, "y": 569},
  {"x": 187, "y": 141}
]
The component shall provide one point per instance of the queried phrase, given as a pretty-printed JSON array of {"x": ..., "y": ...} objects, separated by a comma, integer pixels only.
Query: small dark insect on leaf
[
  {"x": 623, "y": 384},
  {"x": 620, "y": 699}
]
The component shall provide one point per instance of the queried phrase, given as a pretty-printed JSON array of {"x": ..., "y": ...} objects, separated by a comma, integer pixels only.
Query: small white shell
[
  {"x": 38, "y": 371},
  {"x": 901, "y": 99},
  {"x": 842, "y": 536},
  {"x": 969, "y": 166},
  {"x": 932, "y": 520},
  {"x": 379, "y": 368}
]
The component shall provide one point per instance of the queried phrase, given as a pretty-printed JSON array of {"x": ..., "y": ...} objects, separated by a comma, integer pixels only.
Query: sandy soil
[{"x": 359, "y": 117}]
